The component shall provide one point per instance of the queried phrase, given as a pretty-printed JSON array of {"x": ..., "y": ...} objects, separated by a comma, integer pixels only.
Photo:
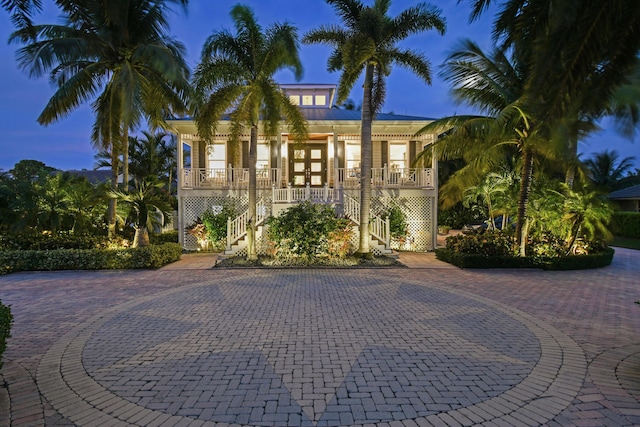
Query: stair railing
[
  {"x": 378, "y": 227},
  {"x": 237, "y": 227}
]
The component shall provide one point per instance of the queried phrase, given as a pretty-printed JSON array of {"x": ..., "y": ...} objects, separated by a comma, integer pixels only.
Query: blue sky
[{"x": 66, "y": 144}]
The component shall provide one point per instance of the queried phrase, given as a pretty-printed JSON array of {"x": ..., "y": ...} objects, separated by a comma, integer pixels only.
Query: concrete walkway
[{"x": 420, "y": 346}]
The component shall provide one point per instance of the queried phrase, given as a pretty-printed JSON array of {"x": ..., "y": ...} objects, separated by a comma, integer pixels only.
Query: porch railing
[
  {"x": 267, "y": 178},
  {"x": 387, "y": 177},
  {"x": 228, "y": 178},
  {"x": 308, "y": 193}
]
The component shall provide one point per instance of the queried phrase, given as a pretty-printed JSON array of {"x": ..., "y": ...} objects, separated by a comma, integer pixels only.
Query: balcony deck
[{"x": 238, "y": 178}]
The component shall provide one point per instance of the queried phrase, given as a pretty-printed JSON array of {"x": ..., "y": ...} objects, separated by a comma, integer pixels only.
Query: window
[
  {"x": 216, "y": 156},
  {"x": 263, "y": 156},
  {"x": 186, "y": 155},
  {"x": 397, "y": 155},
  {"x": 307, "y": 99},
  {"x": 321, "y": 100},
  {"x": 352, "y": 154},
  {"x": 295, "y": 99}
]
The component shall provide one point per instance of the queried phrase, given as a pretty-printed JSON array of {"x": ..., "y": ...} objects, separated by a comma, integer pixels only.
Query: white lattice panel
[
  {"x": 419, "y": 216},
  {"x": 418, "y": 211},
  {"x": 194, "y": 206}
]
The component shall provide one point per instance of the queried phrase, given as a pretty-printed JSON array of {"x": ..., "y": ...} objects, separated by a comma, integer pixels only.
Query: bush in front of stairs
[{"x": 309, "y": 230}]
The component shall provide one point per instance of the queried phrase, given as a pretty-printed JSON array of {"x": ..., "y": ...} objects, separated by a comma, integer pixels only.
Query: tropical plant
[
  {"x": 578, "y": 54},
  {"x": 210, "y": 228},
  {"x": 308, "y": 230},
  {"x": 146, "y": 206},
  {"x": 493, "y": 84},
  {"x": 119, "y": 57},
  {"x": 605, "y": 169},
  {"x": 366, "y": 41},
  {"x": 486, "y": 193},
  {"x": 236, "y": 73}
]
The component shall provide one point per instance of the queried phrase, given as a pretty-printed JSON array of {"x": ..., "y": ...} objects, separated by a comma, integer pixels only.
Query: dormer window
[
  {"x": 321, "y": 100},
  {"x": 307, "y": 99},
  {"x": 295, "y": 99}
]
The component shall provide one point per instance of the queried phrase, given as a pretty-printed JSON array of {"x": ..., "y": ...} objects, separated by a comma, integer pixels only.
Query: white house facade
[{"x": 323, "y": 169}]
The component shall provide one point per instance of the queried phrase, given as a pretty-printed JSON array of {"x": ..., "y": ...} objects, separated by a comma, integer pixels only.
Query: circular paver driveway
[{"x": 312, "y": 348}]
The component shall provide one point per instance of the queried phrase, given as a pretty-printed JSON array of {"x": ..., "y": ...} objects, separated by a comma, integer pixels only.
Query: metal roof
[{"x": 626, "y": 193}]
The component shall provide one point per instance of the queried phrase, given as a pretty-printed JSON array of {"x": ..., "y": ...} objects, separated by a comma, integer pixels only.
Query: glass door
[{"x": 308, "y": 165}]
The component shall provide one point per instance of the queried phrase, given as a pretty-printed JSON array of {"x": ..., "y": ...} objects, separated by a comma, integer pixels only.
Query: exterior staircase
[{"x": 379, "y": 235}]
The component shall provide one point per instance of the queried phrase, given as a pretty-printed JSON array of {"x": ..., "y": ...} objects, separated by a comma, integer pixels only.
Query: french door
[{"x": 308, "y": 164}]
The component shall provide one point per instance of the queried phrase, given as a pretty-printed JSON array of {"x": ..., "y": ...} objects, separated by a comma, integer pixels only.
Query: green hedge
[
  {"x": 168, "y": 237},
  {"x": 153, "y": 256},
  {"x": 5, "y": 328},
  {"x": 573, "y": 262},
  {"x": 626, "y": 224}
]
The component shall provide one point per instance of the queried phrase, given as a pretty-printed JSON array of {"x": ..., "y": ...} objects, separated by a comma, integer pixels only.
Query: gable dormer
[{"x": 310, "y": 95}]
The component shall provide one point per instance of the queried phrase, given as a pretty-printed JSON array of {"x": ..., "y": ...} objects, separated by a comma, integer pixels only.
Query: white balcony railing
[
  {"x": 228, "y": 178},
  {"x": 308, "y": 193},
  {"x": 385, "y": 177},
  {"x": 272, "y": 178}
]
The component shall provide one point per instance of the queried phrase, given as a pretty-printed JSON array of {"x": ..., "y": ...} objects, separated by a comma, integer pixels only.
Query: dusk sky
[{"x": 66, "y": 144}]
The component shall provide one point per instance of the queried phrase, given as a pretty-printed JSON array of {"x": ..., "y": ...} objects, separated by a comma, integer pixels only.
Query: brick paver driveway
[{"x": 324, "y": 347}]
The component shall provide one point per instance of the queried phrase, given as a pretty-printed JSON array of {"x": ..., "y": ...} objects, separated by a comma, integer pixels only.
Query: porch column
[{"x": 434, "y": 177}]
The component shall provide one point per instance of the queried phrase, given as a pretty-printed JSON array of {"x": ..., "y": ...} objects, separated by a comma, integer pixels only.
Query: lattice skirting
[{"x": 417, "y": 209}]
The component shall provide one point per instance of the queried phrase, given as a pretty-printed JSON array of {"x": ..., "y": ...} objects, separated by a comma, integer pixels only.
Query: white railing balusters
[{"x": 237, "y": 227}]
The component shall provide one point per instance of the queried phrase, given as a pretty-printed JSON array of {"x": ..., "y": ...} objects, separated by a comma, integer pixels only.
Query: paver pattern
[{"x": 428, "y": 345}]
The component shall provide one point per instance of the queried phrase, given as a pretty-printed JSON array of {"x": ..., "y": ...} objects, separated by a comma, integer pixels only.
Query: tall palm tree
[
  {"x": 116, "y": 54},
  {"x": 578, "y": 54},
  {"x": 236, "y": 74},
  {"x": 367, "y": 42},
  {"x": 494, "y": 84}
]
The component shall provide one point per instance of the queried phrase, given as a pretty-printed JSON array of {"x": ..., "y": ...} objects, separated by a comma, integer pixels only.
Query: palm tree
[
  {"x": 236, "y": 74},
  {"x": 494, "y": 84},
  {"x": 578, "y": 55},
  {"x": 146, "y": 205},
  {"x": 606, "y": 168},
  {"x": 367, "y": 42},
  {"x": 116, "y": 54},
  {"x": 153, "y": 157}
]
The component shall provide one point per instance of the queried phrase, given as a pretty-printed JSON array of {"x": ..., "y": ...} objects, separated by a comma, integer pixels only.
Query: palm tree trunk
[
  {"x": 365, "y": 163},
  {"x": 111, "y": 212},
  {"x": 125, "y": 160},
  {"x": 252, "y": 254},
  {"x": 141, "y": 238},
  {"x": 523, "y": 199},
  {"x": 570, "y": 175}
]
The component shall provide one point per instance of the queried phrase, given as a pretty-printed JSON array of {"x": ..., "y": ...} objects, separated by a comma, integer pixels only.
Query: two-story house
[{"x": 323, "y": 169}]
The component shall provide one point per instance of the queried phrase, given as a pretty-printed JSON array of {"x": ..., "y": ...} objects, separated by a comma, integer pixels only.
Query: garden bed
[
  {"x": 319, "y": 262},
  {"x": 153, "y": 256},
  {"x": 572, "y": 262}
]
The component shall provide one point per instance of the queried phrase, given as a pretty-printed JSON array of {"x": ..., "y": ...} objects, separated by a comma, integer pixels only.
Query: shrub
[
  {"x": 308, "y": 230},
  {"x": 398, "y": 227},
  {"x": 210, "y": 229},
  {"x": 486, "y": 243},
  {"x": 570, "y": 262},
  {"x": 49, "y": 241},
  {"x": 626, "y": 224},
  {"x": 458, "y": 216},
  {"x": 153, "y": 256},
  {"x": 6, "y": 319},
  {"x": 167, "y": 237}
]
